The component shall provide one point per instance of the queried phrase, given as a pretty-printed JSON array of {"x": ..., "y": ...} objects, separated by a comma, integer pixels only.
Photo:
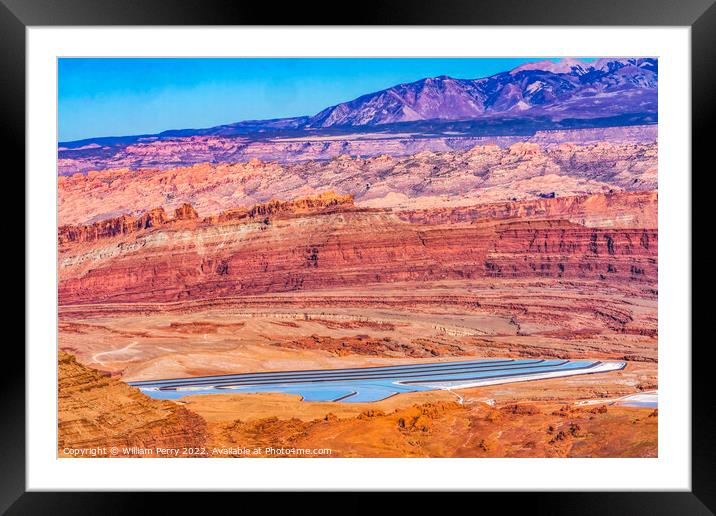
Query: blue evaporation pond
[
  {"x": 357, "y": 385},
  {"x": 342, "y": 374},
  {"x": 545, "y": 367},
  {"x": 642, "y": 404},
  {"x": 330, "y": 391}
]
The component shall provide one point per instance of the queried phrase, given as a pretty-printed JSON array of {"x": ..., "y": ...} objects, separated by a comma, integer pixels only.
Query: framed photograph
[{"x": 445, "y": 248}]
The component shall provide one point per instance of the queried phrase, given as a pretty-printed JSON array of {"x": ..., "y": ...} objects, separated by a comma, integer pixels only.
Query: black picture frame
[{"x": 17, "y": 15}]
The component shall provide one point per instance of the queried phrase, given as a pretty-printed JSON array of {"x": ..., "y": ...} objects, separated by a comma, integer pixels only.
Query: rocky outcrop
[
  {"x": 152, "y": 219},
  {"x": 103, "y": 229},
  {"x": 185, "y": 212},
  {"x": 127, "y": 224},
  {"x": 122, "y": 225},
  {"x": 479, "y": 427},
  {"x": 322, "y": 203},
  {"x": 96, "y": 411}
]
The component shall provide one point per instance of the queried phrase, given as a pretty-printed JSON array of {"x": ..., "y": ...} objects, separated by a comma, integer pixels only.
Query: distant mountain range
[
  {"x": 564, "y": 89},
  {"x": 541, "y": 94}
]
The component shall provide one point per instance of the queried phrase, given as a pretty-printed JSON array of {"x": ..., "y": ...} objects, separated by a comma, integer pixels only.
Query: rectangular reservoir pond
[{"x": 362, "y": 385}]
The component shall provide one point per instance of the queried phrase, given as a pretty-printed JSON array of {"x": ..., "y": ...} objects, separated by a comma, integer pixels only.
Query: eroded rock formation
[
  {"x": 482, "y": 175},
  {"x": 96, "y": 411},
  {"x": 187, "y": 151},
  {"x": 157, "y": 217}
]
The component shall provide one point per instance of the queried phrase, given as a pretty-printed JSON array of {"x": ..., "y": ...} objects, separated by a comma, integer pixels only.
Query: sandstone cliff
[
  {"x": 96, "y": 411},
  {"x": 329, "y": 249},
  {"x": 157, "y": 217},
  {"x": 322, "y": 203},
  {"x": 122, "y": 225},
  {"x": 556, "y": 249},
  {"x": 616, "y": 210}
]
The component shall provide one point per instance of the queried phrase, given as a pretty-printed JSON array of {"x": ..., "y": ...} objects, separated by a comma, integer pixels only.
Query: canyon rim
[{"x": 462, "y": 262}]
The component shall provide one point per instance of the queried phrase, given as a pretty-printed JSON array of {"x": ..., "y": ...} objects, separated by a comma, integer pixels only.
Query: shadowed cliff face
[{"x": 95, "y": 410}]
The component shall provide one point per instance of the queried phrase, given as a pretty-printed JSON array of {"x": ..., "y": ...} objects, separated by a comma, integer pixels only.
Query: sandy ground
[
  {"x": 531, "y": 419},
  {"x": 351, "y": 328}
]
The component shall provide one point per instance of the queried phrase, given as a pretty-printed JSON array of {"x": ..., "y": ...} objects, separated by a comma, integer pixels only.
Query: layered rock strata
[{"x": 303, "y": 247}]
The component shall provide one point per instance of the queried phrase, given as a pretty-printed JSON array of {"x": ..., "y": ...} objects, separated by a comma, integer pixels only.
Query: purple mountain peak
[
  {"x": 566, "y": 88},
  {"x": 565, "y": 65}
]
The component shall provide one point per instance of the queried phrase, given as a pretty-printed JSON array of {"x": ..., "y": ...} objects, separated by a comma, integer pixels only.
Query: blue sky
[{"x": 118, "y": 97}]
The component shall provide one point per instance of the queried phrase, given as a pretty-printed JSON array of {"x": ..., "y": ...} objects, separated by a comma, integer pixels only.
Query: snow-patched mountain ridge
[{"x": 568, "y": 88}]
